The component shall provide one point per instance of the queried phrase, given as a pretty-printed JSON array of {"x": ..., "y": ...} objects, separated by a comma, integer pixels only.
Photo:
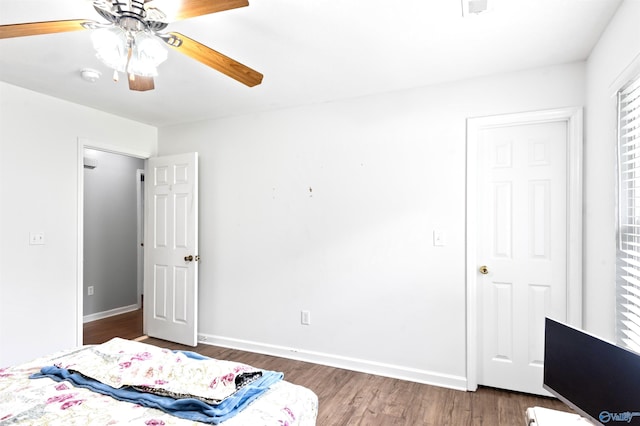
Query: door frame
[
  {"x": 572, "y": 116},
  {"x": 140, "y": 206},
  {"x": 90, "y": 144}
]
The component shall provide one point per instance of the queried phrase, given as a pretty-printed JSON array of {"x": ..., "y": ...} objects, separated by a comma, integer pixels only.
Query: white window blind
[{"x": 628, "y": 257}]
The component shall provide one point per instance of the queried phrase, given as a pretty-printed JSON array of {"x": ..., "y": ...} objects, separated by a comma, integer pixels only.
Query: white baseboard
[
  {"x": 109, "y": 313},
  {"x": 337, "y": 361}
]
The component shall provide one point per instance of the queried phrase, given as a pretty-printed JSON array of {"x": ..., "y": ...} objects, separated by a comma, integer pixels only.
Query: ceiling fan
[{"x": 130, "y": 41}]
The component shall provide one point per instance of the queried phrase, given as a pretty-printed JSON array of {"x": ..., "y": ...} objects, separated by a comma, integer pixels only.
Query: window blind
[{"x": 628, "y": 256}]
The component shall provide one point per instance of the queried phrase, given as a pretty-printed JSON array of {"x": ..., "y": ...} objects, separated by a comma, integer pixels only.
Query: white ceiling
[{"x": 310, "y": 51}]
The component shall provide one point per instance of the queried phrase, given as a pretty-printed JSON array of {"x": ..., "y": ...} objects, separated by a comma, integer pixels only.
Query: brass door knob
[
  {"x": 484, "y": 270},
  {"x": 188, "y": 258}
]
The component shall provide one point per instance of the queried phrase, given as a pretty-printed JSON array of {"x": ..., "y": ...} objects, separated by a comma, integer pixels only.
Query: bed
[{"x": 129, "y": 382}]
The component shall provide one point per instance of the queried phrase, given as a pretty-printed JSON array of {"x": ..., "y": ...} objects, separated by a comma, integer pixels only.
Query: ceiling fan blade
[
  {"x": 38, "y": 28},
  {"x": 192, "y": 8},
  {"x": 217, "y": 60},
  {"x": 140, "y": 83}
]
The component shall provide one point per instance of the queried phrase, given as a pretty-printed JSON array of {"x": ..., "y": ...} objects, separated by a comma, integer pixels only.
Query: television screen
[{"x": 599, "y": 380}]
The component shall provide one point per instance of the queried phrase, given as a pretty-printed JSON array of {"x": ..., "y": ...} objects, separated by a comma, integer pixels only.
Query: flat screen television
[{"x": 598, "y": 379}]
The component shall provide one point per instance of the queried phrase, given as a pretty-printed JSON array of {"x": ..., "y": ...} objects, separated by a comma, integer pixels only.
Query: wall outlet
[
  {"x": 90, "y": 290},
  {"x": 36, "y": 238},
  {"x": 305, "y": 318}
]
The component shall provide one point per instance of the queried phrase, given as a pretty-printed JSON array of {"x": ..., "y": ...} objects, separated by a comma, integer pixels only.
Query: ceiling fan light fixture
[
  {"x": 121, "y": 43},
  {"x": 147, "y": 54},
  {"x": 111, "y": 47}
]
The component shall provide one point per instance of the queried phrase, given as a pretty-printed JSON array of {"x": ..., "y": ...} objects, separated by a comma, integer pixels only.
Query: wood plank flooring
[
  {"x": 127, "y": 326},
  {"x": 351, "y": 398}
]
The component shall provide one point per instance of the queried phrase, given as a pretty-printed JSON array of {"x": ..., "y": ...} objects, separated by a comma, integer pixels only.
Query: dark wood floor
[
  {"x": 351, "y": 398},
  {"x": 127, "y": 326}
]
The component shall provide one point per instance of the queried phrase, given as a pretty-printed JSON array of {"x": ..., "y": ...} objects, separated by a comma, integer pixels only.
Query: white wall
[
  {"x": 39, "y": 188},
  {"x": 615, "y": 58},
  {"x": 356, "y": 251},
  {"x": 330, "y": 208}
]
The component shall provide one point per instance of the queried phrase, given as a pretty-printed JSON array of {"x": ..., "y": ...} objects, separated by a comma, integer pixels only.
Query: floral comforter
[{"x": 155, "y": 373}]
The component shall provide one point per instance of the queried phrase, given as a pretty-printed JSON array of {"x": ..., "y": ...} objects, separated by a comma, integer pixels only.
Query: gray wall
[{"x": 110, "y": 229}]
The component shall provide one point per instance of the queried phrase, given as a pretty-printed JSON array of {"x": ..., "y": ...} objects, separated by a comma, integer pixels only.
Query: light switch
[
  {"x": 36, "y": 238},
  {"x": 305, "y": 318},
  {"x": 439, "y": 237}
]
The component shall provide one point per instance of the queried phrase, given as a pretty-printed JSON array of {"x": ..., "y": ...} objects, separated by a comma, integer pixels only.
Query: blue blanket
[{"x": 186, "y": 408}]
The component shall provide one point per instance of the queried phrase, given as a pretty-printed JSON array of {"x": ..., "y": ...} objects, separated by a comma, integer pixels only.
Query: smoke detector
[{"x": 90, "y": 75}]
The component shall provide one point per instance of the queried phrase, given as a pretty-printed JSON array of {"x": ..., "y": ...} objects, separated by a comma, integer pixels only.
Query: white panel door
[
  {"x": 171, "y": 248},
  {"x": 522, "y": 241}
]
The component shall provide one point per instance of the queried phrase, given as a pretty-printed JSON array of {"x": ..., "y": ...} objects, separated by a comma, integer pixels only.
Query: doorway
[
  {"x": 111, "y": 220},
  {"x": 524, "y": 201}
]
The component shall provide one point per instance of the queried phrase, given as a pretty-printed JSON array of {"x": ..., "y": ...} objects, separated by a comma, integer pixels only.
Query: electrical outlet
[
  {"x": 36, "y": 238},
  {"x": 305, "y": 318},
  {"x": 90, "y": 290}
]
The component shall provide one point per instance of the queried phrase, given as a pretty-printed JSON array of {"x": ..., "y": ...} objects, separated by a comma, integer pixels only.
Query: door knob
[
  {"x": 484, "y": 270},
  {"x": 188, "y": 258}
]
